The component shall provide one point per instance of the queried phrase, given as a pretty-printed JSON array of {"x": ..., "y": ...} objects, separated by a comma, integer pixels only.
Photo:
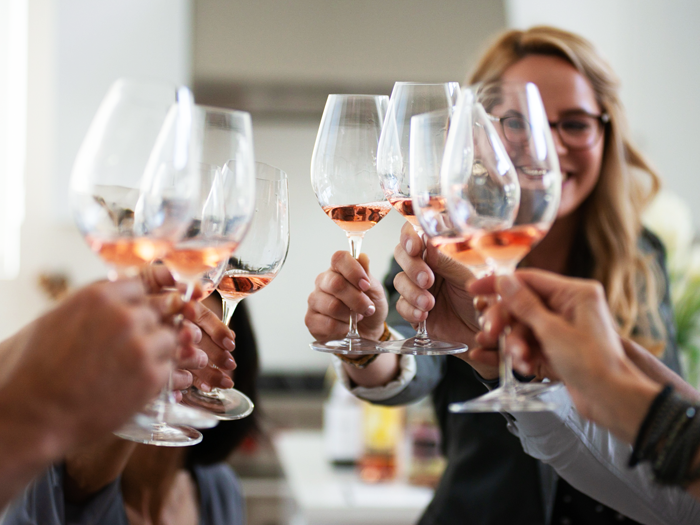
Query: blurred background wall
[{"x": 279, "y": 60}]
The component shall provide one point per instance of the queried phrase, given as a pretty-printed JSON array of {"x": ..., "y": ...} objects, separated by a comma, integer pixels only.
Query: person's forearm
[
  {"x": 28, "y": 444},
  {"x": 656, "y": 370},
  {"x": 622, "y": 400},
  {"x": 384, "y": 369},
  {"x": 93, "y": 467}
]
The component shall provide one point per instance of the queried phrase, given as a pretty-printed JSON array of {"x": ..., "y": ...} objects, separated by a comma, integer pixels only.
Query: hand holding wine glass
[
  {"x": 344, "y": 178},
  {"x": 395, "y": 158}
]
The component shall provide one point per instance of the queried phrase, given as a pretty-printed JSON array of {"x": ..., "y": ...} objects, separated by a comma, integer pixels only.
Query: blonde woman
[{"x": 597, "y": 234}]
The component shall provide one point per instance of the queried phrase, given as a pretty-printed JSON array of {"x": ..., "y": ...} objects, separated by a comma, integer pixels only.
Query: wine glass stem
[
  {"x": 505, "y": 367},
  {"x": 166, "y": 397},
  {"x": 422, "y": 330},
  {"x": 189, "y": 291},
  {"x": 228, "y": 307},
  {"x": 505, "y": 362},
  {"x": 355, "y": 240}
]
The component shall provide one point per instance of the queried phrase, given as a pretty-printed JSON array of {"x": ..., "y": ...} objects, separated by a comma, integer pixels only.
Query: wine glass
[
  {"x": 255, "y": 263},
  {"x": 140, "y": 130},
  {"x": 225, "y": 205},
  {"x": 427, "y": 146},
  {"x": 220, "y": 220},
  {"x": 344, "y": 178},
  {"x": 516, "y": 113},
  {"x": 394, "y": 167}
]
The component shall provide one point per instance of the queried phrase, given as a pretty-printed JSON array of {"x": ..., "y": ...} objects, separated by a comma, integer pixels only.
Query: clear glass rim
[
  {"x": 411, "y": 83},
  {"x": 224, "y": 111},
  {"x": 264, "y": 171},
  {"x": 348, "y": 96}
]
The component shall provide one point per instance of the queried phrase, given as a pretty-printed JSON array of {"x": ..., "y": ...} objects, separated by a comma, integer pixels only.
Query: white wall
[
  {"x": 76, "y": 49},
  {"x": 653, "y": 47},
  {"x": 278, "y": 311}
]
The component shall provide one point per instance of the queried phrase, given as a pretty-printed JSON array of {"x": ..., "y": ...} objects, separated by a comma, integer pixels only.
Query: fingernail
[
  {"x": 422, "y": 279},
  {"x": 370, "y": 310},
  {"x": 508, "y": 285},
  {"x": 204, "y": 387},
  {"x": 418, "y": 314},
  {"x": 487, "y": 326},
  {"x": 197, "y": 334},
  {"x": 423, "y": 303},
  {"x": 229, "y": 344},
  {"x": 203, "y": 360},
  {"x": 226, "y": 382},
  {"x": 409, "y": 246},
  {"x": 229, "y": 364},
  {"x": 481, "y": 321},
  {"x": 364, "y": 285}
]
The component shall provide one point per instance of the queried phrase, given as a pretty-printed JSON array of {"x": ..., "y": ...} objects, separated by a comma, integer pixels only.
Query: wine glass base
[
  {"x": 422, "y": 346},
  {"x": 534, "y": 389},
  {"x": 225, "y": 404},
  {"x": 144, "y": 430},
  {"x": 348, "y": 346},
  {"x": 178, "y": 414},
  {"x": 503, "y": 400}
]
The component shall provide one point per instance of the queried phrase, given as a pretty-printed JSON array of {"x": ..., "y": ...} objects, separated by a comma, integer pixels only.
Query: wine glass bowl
[
  {"x": 427, "y": 149},
  {"x": 135, "y": 124},
  {"x": 226, "y": 195},
  {"x": 344, "y": 179}
]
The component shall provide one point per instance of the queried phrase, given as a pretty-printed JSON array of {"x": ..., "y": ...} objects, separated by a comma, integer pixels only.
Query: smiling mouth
[{"x": 532, "y": 173}]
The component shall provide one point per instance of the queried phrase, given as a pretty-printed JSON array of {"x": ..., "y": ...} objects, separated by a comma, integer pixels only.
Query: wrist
[{"x": 623, "y": 401}]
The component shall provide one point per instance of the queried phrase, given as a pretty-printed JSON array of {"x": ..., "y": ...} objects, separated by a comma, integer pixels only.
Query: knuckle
[
  {"x": 337, "y": 259},
  {"x": 335, "y": 307},
  {"x": 398, "y": 279},
  {"x": 318, "y": 282},
  {"x": 335, "y": 283},
  {"x": 593, "y": 291},
  {"x": 326, "y": 326}
]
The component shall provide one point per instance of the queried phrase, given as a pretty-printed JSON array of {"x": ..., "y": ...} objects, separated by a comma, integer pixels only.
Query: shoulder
[
  {"x": 43, "y": 502},
  {"x": 221, "y": 495}
]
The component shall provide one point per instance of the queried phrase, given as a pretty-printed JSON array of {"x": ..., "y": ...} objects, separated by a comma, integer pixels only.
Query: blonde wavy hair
[{"x": 627, "y": 182}]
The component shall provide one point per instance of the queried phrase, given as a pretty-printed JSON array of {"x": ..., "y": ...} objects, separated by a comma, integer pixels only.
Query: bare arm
[
  {"x": 95, "y": 466},
  {"x": 82, "y": 369},
  {"x": 656, "y": 370}
]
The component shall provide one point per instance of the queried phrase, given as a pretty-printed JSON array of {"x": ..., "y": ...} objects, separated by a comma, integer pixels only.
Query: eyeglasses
[{"x": 579, "y": 131}]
